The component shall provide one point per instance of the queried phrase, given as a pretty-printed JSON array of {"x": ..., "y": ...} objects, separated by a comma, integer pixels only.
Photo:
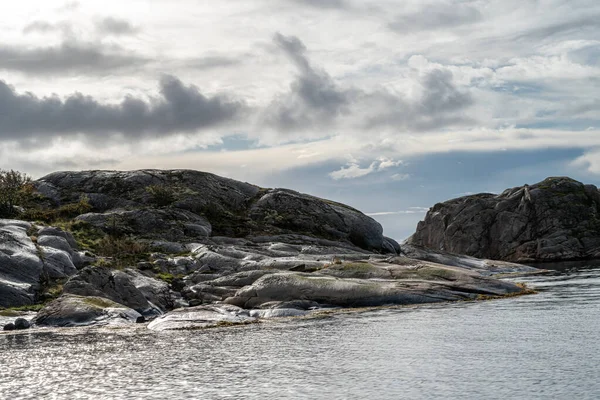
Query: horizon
[{"x": 388, "y": 107}]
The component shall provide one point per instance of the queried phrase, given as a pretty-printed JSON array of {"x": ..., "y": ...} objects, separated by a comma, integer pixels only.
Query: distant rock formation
[{"x": 557, "y": 219}]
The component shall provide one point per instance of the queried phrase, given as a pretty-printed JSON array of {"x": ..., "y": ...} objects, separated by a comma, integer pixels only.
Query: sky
[{"x": 389, "y": 106}]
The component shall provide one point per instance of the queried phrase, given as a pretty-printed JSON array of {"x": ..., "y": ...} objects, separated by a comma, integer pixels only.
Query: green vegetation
[
  {"x": 14, "y": 311},
  {"x": 166, "y": 277},
  {"x": 99, "y": 302},
  {"x": 60, "y": 214},
  {"x": 161, "y": 195},
  {"x": 121, "y": 251},
  {"x": 15, "y": 189}
]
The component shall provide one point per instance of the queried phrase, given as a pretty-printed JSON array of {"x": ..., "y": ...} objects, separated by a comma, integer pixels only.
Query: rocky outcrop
[
  {"x": 375, "y": 283},
  {"x": 163, "y": 224},
  {"x": 20, "y": 265},
  {"x": 554, "y": 220},
  {"x": 189, "y": 205},
  {"x": 298, "y": 212},
  {"x": 129, "y": 287},
  {"x": 26, "y": 265},
  {"x": 72, "y": 311},
  {"x": 201, "y": 317},
  {"x": 193, "y": 250}
]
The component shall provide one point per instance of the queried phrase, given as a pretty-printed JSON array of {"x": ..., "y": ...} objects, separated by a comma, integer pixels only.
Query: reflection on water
[{"x": 531, "y": 347}]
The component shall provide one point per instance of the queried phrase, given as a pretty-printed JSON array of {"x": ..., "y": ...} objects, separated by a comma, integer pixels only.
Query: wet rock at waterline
[{"x": 72, "y": 311}]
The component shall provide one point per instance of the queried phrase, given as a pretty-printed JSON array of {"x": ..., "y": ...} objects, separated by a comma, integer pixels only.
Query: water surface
[{"x": 531, "y": 347}]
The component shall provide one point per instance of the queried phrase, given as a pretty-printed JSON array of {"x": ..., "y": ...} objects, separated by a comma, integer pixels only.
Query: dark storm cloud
[
  {"x": 179, "y": 108},
  {"x": 67, "y": 58},
  {"x": 115, "y": 26},
  {"x": 435, "y": 17},
  {"x": 316, "y": 101}
]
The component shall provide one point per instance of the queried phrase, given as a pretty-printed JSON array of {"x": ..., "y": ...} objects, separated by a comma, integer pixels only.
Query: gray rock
[
  {"x": 482, "y": 266},
  {"x": 147, "y": 296},
  {"x": 407, "y": 283},
  {"x": 20, "y": 265},
  {"x": 9, "y": 327},
  {"x": 58, "y": 264},
  {"x": 22, "y": 323},
  {"x": 234, "y": 209},
  {"x": 278, "y": 313},
  {"x": 72, "y": 311},
  {"x": 162, "y": 224},
  {"x": 298, "y": 212},
  {"x": 201, "y": 317},
  {"x": 556, "y": 219},
  {"x": 55, "y": 242},
  {"x": 57, "y": 232}
]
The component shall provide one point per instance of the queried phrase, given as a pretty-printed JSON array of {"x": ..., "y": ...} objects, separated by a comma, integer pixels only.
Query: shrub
[
  {"x": 15, "y": 188},
  {"x": 161, "y": 195},
  {"x": 63, "y": 212},
  {"x": 123, "y": 251}
]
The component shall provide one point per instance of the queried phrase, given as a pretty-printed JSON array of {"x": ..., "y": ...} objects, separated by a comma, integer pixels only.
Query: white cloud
[
  {"x": 352, "y": 171},
  {"x": 411, "y": 210},
  {"x": 400, "y": 177}
]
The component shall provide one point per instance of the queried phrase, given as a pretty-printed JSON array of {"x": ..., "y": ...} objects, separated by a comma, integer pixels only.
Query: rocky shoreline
[{"x": 187, "y": 250}]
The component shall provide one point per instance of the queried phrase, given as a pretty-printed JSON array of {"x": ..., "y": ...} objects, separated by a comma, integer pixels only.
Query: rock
[
  {"x": 58, "y": 264},
  {"x": 147, "y": 296},
  {"x": 20, "y": 265},
  {"x": 554, "y": 220},
  {"x": 201, "y": 317},
  {"x": 298, "y": 212},
  {"x": 482, "y": 266},
  {"x": 278, "y": 313},
  {"x": 21, "y": 323},
  {"x": 190, "y": 199},
  {"x": 50, "y": 231},
  {"x": 162, "y": 224},
  {"x": 71, "y": 311},
  {"x": 408, "y": 283},
  {"x": 9, "y": 327},
  {"x": 191, "y": 190}
]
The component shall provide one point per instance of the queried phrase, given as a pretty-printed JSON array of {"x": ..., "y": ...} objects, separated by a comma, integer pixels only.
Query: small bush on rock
[
  {"x": 161, "y": 195},
  {"x": 15, "y": 188},
  {"x": 123, "y": 251}
]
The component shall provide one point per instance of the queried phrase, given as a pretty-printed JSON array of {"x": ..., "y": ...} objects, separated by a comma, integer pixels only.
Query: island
[{"x": 183, "y": 249}]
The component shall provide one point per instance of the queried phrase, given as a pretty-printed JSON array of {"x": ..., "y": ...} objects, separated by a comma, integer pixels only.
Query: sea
[{"x": 541, "y": 346}]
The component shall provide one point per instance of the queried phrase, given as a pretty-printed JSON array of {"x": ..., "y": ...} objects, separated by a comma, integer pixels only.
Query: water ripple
[{"x": 535, "y": 347}]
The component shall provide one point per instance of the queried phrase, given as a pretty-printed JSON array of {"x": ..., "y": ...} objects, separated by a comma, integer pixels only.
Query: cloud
[
  {"x": 178, "y": 108},
  {"x": 352, "y": 170},
  {"x": 115, "y": 26},
  {"x": 385, "y": 163},
  {"x": 435, "y": 17},
  {"x": 43, "y": 27},
  {"x": 400, "y": 177},
  {"x": 314, "y": 100},
  {"x": 440, "y": 105},
  {"x": 209, "y": 62},
  {"x": 411, "y": 210},
  {"x": 68, "y": 58},
  {"x": 343, "y": 4},
  {"x": 571, "y": 25}
]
